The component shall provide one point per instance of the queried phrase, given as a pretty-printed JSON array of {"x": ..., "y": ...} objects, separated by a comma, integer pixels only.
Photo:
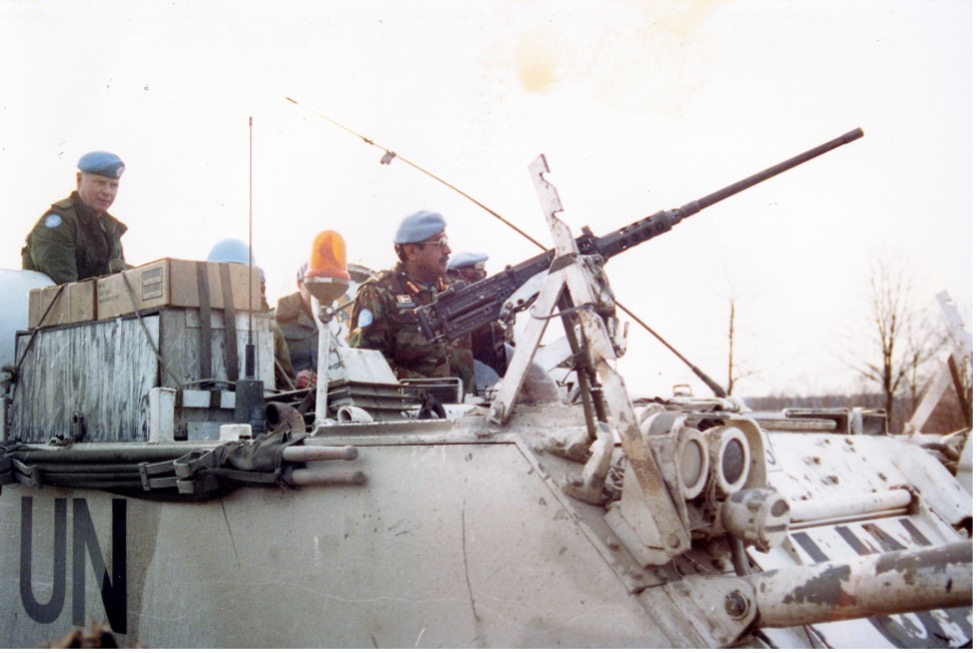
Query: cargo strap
[
  {"x": 203, "y": 294},
  {"x": 149, "y": 337},
  {"x": 180, "y": 471},
  {"x": 230, "y": 331},
  {"x": 206, "y": 332},
  {"x": 219, "y": 470}
]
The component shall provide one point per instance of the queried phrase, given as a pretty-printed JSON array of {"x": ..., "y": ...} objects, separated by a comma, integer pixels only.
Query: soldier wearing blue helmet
[
  {"x": 232, "y": 250},
  {"x": 489, "y": 340},
  {"x": 467, "y": 266},
  {"x": 76, "y": 238},
  {"x": 384, "y": 315}
]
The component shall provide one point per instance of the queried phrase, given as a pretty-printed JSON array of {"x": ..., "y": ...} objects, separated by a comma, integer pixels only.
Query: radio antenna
[
  {"x": 389, "y": 155},
  {"x": 249, "y": 350},
  {"x": 249, "y": 393}
]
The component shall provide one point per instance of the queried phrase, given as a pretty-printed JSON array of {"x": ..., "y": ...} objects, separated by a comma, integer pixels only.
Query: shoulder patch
[
  {"x": 365, "y": 319},
  {"x": 53, "y": 221}
]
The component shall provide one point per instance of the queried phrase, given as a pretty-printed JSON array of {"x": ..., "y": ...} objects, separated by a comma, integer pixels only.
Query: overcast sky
[{"x": 638, "y": 106}]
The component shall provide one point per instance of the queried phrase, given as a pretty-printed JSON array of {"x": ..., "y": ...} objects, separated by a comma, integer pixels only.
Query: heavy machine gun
[{"x": 460, "y": 310}]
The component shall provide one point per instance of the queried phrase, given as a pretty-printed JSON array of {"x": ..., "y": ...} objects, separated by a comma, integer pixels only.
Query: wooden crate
[{"x": 104, "y": 372}]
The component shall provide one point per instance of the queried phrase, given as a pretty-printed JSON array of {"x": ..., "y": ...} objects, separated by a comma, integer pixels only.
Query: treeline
[{"x": 946, "y": 418}]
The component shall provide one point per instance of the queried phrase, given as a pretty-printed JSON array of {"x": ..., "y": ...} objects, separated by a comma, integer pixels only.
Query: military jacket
[
  {"x": 69, "y": 243},
  {"x": 300, "y": 331},
  {"x": 384, "y": 318},
  {"x": 284, "y": 374}
]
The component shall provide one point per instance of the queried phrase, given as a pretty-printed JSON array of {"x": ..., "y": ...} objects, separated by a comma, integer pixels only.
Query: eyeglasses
[{"x": 441, "y": 242}]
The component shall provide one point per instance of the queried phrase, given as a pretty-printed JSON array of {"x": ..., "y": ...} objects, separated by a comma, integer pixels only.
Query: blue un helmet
[
  {"x": 470, "y": 266},
  {"x": 467, "y": 260},
  {"x": 232, "y": 250}
]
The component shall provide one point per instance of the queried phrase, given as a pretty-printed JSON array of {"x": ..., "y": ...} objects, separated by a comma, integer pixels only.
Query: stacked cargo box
[{"x": 103, "y": 357}]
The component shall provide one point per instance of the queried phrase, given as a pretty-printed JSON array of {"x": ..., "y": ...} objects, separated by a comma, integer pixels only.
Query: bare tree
[
  {"x": 734, "y": 371},
  {"x": 923, "y": 340},
  {"x": 906, "y": 340},
  {"x": 732, "y": 340}
]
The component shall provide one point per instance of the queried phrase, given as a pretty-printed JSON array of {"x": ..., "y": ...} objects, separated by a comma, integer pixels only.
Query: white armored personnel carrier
[{"x": 152, "y": 482}]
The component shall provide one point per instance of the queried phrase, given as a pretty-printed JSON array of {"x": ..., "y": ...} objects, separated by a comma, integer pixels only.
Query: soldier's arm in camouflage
[
  {"x": 374, "y": 333},
  {"x": 53, "y": 251}
]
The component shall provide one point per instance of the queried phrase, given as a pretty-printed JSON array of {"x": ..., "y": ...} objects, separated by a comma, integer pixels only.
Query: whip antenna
[
  {"x": 389, "y": 155},
  {"x": 249, "y": 393},
  {"x": 249, "y": 350}
]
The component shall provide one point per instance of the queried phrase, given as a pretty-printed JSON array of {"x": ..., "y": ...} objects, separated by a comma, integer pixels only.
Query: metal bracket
[
  {"x": 659, "y": 524},
  {"x": 958, "y": 364}
]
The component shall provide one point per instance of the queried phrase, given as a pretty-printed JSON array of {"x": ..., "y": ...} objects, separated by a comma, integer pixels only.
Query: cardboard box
[
  {"x": 176, "y": 283},
  {"x": 72, "y": 303}
]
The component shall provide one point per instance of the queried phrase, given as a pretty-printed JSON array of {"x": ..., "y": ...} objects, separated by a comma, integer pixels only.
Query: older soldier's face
[
  {"x": 472, "y": 273},
  {"x": 429, "y": 259},
  {"x": 96, "y": 191}
]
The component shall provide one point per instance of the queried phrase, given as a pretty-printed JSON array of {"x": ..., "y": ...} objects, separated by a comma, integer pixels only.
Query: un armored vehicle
[{"x": 153, "y": 483}]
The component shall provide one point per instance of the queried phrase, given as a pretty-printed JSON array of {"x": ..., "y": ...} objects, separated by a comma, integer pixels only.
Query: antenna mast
[
  {"x": 249, "y": 393},
  {"x": 249, "y": 350}
]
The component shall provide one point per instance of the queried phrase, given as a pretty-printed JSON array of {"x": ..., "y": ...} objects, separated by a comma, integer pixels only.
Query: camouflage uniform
[
  {"x": 391, "y": 326},
  {"x": 68, "y": 243}
]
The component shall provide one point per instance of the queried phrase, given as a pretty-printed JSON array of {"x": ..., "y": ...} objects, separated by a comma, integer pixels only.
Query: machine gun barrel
[{"x": 458, "y": 311}]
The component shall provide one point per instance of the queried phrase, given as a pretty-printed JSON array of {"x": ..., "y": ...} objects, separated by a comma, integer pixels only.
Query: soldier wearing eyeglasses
[{"x": 384, "y": 315}]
